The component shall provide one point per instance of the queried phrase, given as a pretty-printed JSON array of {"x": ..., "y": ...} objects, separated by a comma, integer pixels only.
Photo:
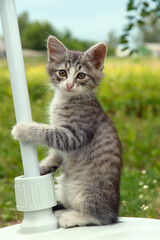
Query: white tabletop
[{"x": 127, "y": 229}]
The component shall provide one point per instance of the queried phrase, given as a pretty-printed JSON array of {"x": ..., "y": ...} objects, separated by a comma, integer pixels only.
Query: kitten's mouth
[{"x": 69, "y": 90}]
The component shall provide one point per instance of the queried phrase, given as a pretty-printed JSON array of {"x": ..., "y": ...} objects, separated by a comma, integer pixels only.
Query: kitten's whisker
[{"x": 44, "y": 86}]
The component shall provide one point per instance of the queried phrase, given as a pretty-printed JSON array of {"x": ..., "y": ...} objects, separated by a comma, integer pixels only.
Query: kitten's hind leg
[
  {"x": 58, "y": 210},
  {"x": 72, "y": 218},
  {"x": 59, "y": 213}
]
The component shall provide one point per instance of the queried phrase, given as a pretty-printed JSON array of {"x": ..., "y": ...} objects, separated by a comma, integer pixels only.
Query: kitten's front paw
[{"x": 21, "y": 132}]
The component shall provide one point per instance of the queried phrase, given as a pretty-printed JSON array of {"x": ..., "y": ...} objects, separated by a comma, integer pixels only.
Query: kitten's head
[{"x": 75, "y": 72}]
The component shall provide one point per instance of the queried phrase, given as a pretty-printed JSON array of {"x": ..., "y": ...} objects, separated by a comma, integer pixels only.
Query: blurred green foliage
[
  {"x": 129, "y": 93},
  {"x": 34, "y": 35},
  {"x": 144, "y": 16}
]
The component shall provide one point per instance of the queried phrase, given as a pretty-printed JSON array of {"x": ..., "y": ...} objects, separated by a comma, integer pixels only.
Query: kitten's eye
[
  {"x": 81, "y": 75},
  {"x": 62, "y": 73}
]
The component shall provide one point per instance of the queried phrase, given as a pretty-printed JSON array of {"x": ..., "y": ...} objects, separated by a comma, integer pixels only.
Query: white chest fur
[{"x": 59, "y": 99}]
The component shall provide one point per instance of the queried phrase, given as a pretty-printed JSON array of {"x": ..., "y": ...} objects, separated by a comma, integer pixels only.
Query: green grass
[{"x": 129, "y": 93}]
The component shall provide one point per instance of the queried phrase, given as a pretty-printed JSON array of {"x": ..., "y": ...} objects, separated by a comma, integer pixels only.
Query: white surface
[
  {"x": 18, "y": 82},
  {"x": 128, "y": 229}
]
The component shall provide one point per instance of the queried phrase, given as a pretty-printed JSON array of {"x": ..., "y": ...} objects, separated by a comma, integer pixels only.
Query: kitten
[{"x": 82, "y": 138}]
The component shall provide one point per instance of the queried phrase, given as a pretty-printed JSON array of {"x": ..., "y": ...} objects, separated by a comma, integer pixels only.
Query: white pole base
[
  {"x": 34, "y": 193},
  {"x": 128, "y": 229},
  {"x": 35, "y": 196},
  {"x": 38, "y": 222}
]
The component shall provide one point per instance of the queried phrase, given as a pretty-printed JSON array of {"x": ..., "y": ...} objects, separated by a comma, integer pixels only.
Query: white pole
[
  {"x": 34, "y": 193},
  {"x": 18, "y": 82}
]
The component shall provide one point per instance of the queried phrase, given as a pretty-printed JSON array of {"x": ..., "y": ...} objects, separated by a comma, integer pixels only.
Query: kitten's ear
[
  {"x": 97, "y": 54},
  {"x": 56, "y": 49}
]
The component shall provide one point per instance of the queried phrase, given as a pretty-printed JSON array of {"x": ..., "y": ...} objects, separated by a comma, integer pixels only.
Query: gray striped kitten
[{"x": 82, "y": 138}]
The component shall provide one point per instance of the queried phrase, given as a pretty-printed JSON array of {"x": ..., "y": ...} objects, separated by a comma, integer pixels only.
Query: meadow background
[{"x": 130, "y": 94}]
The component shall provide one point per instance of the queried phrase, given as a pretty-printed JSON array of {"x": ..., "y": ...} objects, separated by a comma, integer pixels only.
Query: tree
[
  {"x": 34, "y": 35},
  {"x": 138, "y": 12},
  {"x": 149, "y": 31},
  {"x": 23, "y": 22},
  {"x": 73, "y": 43}
]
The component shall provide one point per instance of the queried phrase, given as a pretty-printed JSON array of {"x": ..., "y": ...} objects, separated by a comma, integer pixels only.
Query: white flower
[
  {"x": 140, "y": 196},
  {"x": 143, "y": 171},
  {"x": 141, "y": 183},
  {"x": 154, "y": 181},
  {"x": 144, "y": 207},
  {"x": 145, "y": 187}
]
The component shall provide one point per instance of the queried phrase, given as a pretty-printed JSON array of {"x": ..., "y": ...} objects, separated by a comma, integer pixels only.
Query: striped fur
[{"x": 82, "y": 139}]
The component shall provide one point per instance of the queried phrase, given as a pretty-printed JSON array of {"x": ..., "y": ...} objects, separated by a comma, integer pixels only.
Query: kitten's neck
[{"x": 60, "y": 97}]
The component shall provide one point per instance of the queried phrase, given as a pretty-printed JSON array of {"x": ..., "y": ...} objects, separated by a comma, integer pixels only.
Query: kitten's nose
[{"x": 69, "y": 86}]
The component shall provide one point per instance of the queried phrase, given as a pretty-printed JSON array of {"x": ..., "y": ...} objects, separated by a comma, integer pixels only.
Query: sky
[{"x": 87, "y": 19}]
